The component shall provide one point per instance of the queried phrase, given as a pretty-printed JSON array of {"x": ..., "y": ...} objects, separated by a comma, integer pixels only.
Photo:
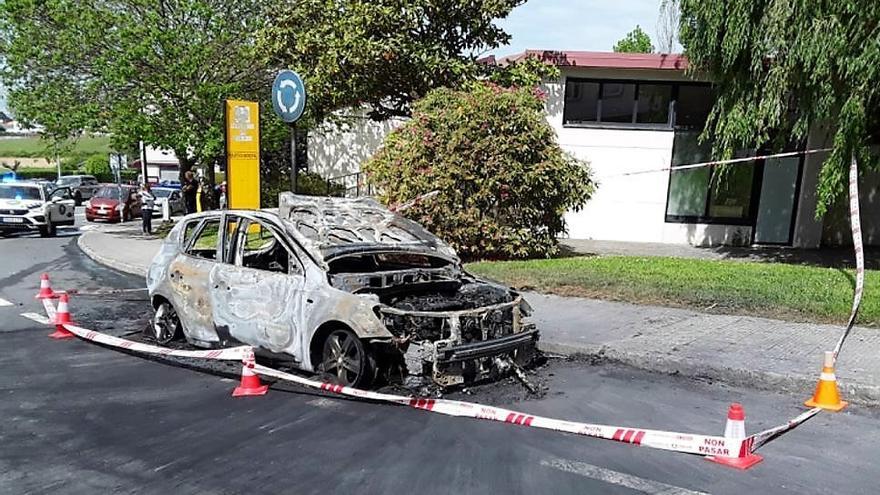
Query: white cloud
[{"x": 594, "y": 25}]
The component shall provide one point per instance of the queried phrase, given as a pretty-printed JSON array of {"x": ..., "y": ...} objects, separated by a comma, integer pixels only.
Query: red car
[{"x": 114, "y": 203}]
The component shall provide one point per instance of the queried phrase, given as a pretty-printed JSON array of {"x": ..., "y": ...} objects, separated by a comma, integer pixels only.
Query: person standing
[
  {"x": 148, "y": 202},
  {"x": 190, "y": 190}
]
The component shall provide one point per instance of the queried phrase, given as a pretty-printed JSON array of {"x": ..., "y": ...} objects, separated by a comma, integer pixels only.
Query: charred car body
[{"x": 343, "y": 286}]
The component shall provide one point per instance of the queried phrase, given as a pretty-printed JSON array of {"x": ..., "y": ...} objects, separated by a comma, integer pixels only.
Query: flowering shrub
[{"x": 504, "y": 183}]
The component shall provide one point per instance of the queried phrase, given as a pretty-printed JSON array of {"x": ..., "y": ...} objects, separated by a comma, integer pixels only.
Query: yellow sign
[{"x": 243, "y": 154}]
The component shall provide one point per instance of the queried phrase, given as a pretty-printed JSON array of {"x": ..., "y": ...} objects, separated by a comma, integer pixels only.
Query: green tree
[
  {"x": 636, "y": 41},
  {"x": 784, "y": 68},
  {"x": 504, "y": 182},
  {"x": 382, "y": 54},
  {"x": 141, "y": 70}
]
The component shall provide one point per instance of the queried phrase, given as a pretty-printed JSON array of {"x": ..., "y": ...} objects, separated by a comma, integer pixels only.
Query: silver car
[{"x": 343, "y": 286}]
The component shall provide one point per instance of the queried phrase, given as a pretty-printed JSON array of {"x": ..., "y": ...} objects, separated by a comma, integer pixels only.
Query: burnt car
[{"x": 344, "y": 287}]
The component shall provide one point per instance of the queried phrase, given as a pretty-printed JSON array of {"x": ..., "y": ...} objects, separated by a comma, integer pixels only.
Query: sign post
[
  {"x": 289, "y": 102},
  {"x": 243, "y": 154}
]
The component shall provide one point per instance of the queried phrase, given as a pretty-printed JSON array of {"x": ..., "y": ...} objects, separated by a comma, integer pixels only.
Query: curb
[
  {"x": 856, "y": 393},
  {"x": 107, "y": 261}
]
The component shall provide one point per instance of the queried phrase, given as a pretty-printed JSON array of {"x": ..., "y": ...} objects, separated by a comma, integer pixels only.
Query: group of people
[{"x": 190, "y": 189}]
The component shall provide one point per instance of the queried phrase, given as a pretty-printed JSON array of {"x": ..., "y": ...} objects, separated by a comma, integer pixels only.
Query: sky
[{"x": 593, "y": 25}]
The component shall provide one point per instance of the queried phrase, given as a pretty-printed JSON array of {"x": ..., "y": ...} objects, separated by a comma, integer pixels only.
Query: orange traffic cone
[
  {"x": 827, "y": 397},
  {"x": 46, "y": 291},
  {"x": 62, "y": 316},
  {"x": 250, "y": 381},
  {"x": 734, "y": 432}
]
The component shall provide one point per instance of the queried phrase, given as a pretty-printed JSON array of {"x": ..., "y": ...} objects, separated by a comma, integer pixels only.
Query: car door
[
  {"x": 259, "y": 291},
  {"x": 175, "y": 203},
  {"x": 189, "y": 276},
  {"x": 61, "y": 206}
]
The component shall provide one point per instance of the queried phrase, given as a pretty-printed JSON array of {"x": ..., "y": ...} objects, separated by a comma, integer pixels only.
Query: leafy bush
[
  {"x": 97, "y": 164},
  {"x": 504, "y": 183}
]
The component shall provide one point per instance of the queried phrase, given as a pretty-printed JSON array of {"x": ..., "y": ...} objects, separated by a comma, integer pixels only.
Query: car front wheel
[
  {"x": 48, "y": 230},
  {"x": 345, "y": 360},
  {"x": 166, "y": 323}
]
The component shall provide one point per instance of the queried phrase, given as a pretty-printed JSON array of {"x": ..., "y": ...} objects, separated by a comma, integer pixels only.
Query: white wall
[
  {"x": 628, "y": 207},
  {"x": 336, "y": 150}
]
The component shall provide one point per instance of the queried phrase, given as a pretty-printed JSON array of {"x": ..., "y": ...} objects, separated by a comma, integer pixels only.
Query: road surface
[{"x": 82, "y": 419}]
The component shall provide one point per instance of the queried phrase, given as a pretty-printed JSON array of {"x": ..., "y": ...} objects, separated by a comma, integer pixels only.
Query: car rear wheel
[
  {"x": 345, "y": 360},
  {"x": 166, "y": 323}
]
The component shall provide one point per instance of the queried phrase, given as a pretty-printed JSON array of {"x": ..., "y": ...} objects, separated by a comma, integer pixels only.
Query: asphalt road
[{"x": 77, "y": 418}]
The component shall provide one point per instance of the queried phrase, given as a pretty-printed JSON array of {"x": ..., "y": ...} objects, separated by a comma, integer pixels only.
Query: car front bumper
[
  {"x": 22, "y": 222},
  {"x": 451, "y": 361}
]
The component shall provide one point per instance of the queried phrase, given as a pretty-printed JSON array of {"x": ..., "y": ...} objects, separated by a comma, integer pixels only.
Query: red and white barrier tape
[
  {"x": 855, "y": 221},
  {"x": 757, "y": 440},
  {"x": 708, "y": 445},
  {"x": 731, "y": 161},
  {"x": 228, "y": 354}
]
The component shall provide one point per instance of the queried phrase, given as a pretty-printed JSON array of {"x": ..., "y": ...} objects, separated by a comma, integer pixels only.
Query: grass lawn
[
  {"x": 775, "y": 290},
  {"x": 34, "y": 147}
]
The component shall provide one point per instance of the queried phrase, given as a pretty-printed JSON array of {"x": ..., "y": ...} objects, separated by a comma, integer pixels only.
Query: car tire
[
  {"x": 166, "y": 324},
  {"x": 346, "y": 360},
  {"x": 48, "y": 230}
]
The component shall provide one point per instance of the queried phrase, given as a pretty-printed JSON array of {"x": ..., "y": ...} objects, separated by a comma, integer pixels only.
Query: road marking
[
  {"x": 641, "y": 485},
  {"x": 4, "y": 302},
  {"x": 37, "y": 318}
]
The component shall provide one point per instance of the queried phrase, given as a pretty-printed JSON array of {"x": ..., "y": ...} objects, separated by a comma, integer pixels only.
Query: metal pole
[
  {"x": 57, "y": 160},
  {"x": 293, "y": 170}
]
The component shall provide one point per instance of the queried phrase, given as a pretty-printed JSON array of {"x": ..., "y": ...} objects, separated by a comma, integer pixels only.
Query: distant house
[
  {"x": 626, "y": 113},
  {"x": 161, "y": 164}
]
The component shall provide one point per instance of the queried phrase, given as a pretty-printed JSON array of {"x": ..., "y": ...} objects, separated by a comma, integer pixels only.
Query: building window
[
  {"x": 693, "y": 104},
  {"x": 618, "y": 103},
  {"x": 708, "y": 194},
  {"x": 653, "y": 103},
  {"x": 581, "y": 102}
]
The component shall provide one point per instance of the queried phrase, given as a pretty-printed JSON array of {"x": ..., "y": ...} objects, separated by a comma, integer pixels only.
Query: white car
[
  {"x": 170, "y": 195},
  {"x": 343, "y": 286},
  {"x": 28, "y": 206}
]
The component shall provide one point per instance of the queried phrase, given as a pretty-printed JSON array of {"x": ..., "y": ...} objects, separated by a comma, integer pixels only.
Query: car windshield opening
[
  {"x": 8, "y": 191},
  {"x": 66, "y": 181},
  {"x": 161, "y": 193}
]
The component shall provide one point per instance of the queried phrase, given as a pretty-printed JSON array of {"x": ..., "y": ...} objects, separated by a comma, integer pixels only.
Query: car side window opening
[
  {"x": 205, "y": 243},
  {"x": 261, "y": 249},
  {"x": 231, "y": 240}
]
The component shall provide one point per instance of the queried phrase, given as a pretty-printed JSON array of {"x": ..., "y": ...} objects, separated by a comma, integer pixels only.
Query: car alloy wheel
[
  {"x": 345, "y": 360},
  {"x": 166, "y": 324}
]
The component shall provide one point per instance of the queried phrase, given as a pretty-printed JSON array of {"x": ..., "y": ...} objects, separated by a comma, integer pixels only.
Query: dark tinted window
[
  {"x": 617, "y": 102},
  {"x": 653, "y": 104},
  {"x": 581, "y": 101},
  {"x": 693, "y": 105}
]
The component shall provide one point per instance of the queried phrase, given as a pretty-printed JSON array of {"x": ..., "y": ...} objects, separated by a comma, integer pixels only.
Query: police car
[{"x": 29, "y": 206}]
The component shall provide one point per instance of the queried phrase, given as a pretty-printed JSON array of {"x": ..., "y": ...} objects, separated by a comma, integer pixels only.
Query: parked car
[
  {"x": 28, "y": 206},
  {"x": 343, "y": 286},
  {"x": 113, "y": 203},
  {"x": 83, "y": 186},
  {"x": 171, "y": 196}
]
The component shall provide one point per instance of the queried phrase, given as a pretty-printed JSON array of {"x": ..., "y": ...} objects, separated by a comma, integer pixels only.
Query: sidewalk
[{"x": 736, "y": 350}]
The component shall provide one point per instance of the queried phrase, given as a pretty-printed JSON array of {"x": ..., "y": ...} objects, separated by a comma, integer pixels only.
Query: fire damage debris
[{"x": 342, "y": 287}]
